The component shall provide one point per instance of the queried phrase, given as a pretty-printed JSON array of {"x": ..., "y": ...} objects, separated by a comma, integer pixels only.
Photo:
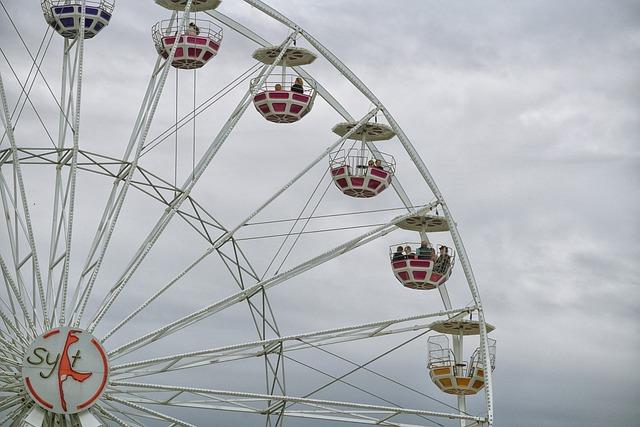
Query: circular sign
[{"x": 65, "y": 370}]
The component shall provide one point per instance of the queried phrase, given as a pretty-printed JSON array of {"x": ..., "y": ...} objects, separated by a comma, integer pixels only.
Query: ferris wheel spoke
[
  {"x": 10, "y": 403},
  {"x": 109, "y": 410},
  {"x": 11, "y": 305},
  {"x": 104, "y": 416},
  {"x": 102, "y": 236},
  {"x": 153, "y": 413},
  {"x": 366, "y": 413},
  {"x": 10, "y": 341},
  {"x": 10, "y": 361},
  {"x": 10, "y": 350},
  {"x": 14, "y": 327},
  {"x": 29, "y": 315},
  {"x": 7, "y": 379},
  {"x": 64, "y": 209},
  {"x": 16, "y": 230},
  {"x": 286, "y": 344},
  {"x": 7, "y": 349},
  {"x": 24, "y": 215}
]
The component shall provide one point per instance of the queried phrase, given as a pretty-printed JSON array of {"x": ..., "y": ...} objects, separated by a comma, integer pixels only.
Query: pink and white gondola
[
  {"x": 194, "y": 48},
  {"x": 274, "y": 99},
  {"x": 351, "y": 170},
  {"x": 354, "y": 177},
  {"x": 421, "y": 274}
]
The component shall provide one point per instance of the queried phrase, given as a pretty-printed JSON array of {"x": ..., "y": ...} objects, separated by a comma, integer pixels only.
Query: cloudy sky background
[{"x": 526, "y": 114}]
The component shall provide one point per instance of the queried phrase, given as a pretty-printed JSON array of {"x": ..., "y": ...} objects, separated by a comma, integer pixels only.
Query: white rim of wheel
[{"x": 40, "y": 296}]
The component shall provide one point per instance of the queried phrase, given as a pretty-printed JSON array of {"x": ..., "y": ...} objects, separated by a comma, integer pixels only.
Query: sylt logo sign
[{"x": 65, "y": 370}]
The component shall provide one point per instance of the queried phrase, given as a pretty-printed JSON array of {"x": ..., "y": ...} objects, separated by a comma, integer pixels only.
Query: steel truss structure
[{"x": 40, "y": 293}]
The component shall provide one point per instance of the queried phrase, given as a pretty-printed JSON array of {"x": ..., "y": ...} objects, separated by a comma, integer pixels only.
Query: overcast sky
[{"x": 525, "y": 112}]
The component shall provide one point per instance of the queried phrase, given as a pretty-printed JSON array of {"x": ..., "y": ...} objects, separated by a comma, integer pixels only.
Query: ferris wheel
[{"x": 178, "y": 319}]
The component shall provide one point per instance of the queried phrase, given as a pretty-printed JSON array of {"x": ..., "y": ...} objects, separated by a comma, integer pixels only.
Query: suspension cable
[
  {"x": 377, "y": 396},
  {"x": 28, "y": 99},
  {"x": 275, "y": 221},
  {"x": 35, "y": 62},
  {"x": 363, "y": 365},
  {"x": 364, "y": 368},
  {"x": 202, "y": 108},
  {"x": 175, "y": 144},
  {"x": 315, "y": 208},
  {"x": 193, "y": 148},
  {"x": 290, "y": 233},
  {"x": 325, "y": 230}
]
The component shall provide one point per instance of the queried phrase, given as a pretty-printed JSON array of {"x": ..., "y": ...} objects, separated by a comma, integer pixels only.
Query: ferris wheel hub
[{"x": 65, "y": 370}]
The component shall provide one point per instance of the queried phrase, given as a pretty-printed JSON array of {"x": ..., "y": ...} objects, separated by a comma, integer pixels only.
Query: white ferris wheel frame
[{"x": 54, "y": 303}]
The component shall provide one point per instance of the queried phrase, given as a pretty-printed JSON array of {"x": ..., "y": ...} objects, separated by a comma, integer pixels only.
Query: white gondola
[
  {"x": 360, "y": 172},
  {"x": 195, "y": 46},
  {"x": 65, "y": 16}
]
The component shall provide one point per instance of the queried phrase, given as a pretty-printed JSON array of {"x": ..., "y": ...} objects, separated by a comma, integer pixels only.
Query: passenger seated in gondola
[
  {"x": 297, "y": 86},
  {"x": 443, "y": 262},
  {"x": 398, "y": 255},
  {"x": 193, "y": 30},
  {"x": 408, "y": 252},
  {"x": 425, "y": 251},
  {"x": 370, "y": 165},
  {"x": 278, "y": 86},
  {"x": 378, "y": 164}
]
